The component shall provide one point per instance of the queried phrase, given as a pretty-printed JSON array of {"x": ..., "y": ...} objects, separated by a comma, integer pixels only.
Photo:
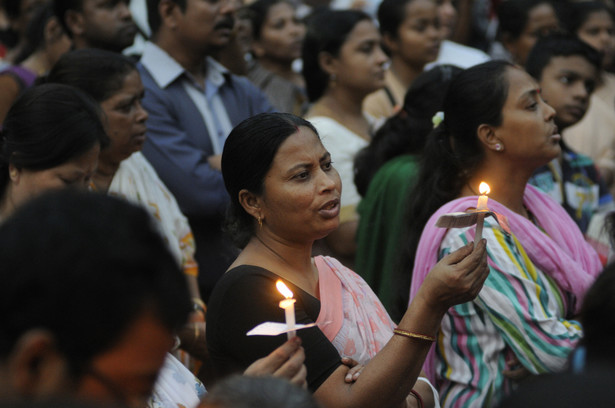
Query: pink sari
[
  {"x": 351, "y": 316},
  {"x": 560, "y": 251}
]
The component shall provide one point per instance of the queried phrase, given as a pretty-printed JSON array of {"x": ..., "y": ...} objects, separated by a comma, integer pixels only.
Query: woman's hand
[
  {"x": 286, "y": 362},
  {"x": 515, "y": 370},
  {"x": 457, "y": 278},
  {"x": 355, "y": 369}
]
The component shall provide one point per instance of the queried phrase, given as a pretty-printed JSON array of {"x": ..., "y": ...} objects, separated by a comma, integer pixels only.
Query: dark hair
[
  {"x": 327, "y": 31},
  {"x": 406, "y": 131},
  {"x": 84, "y": 266},
  {"x": 257, "y": 13},
  {"x": 247, "y": 157},
  {"x": 591, "y": 388},
  {"x": 61, "y": 7},
  {"x": 558, "y": 45},
  {"x": 513, "y": 16},
  {"x": 391, "y": 13},
  {"x": 47, "y": 126},
  {"x": 242, "y": 391},
  {"x": 153, "y": 15},
  {"x": 35, "y": 32},
  {"x": 576, "y": 14},
  {"x": 97, "y": 72},
  {"x": 476, "y": 96},
  {"x": 598, "y": 318}
]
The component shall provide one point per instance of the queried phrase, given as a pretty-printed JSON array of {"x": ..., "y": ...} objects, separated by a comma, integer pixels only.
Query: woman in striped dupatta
[{"x": 498, "y": 129}]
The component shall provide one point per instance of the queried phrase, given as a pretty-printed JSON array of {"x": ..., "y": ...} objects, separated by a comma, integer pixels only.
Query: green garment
[{"x": 381, "y": 220}]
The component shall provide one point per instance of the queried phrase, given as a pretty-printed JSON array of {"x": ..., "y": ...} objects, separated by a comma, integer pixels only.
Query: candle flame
[
  {"x": 483, "y": 188},
  {"x": 283, "y": 289}
]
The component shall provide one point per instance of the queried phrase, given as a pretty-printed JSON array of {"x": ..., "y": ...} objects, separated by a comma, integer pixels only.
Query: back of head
[
  {"x": 257, "y": 392},
  {"x": 83, "y": 267},
  {"x": 97, "y": 72},
  {"x": 558, "y": 45},
  {"x": 406, "y": 131},
  {"x": 591, "y": 389},
  {"x": 327, "y": 31},
  {"x": 598, "y": 318},
  {"x": 247, "y": 157},
  {"x": 47, "y": 126},
  {"x": 475, "y": 96}
]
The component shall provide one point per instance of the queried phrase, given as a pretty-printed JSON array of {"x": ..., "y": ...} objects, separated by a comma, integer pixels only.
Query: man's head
[
  {"x": 89, "y": 299},
  {"x": 567, "y": 70},
  {"x": 105, "y": 24},
  {"x": 194, "y": 25}
]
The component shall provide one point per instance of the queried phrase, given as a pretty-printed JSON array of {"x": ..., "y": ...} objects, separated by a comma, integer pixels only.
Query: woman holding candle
[
  {"x": 285, "y": 194},
  {"x": 497, "y": 129}
]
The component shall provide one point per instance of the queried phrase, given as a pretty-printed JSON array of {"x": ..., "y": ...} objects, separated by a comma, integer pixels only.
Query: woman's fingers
[
  {"x": 292, "y": 366},
  {"x": 459, "y": 255}
]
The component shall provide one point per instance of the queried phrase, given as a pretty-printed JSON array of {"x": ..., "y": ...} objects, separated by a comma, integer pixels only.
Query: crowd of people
[{"x": 162, "y": 172}]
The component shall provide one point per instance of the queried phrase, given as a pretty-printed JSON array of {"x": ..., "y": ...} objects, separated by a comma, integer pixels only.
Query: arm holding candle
[
  {"x": 539, "y": 337},
  {"x": 387, "y": 379}
]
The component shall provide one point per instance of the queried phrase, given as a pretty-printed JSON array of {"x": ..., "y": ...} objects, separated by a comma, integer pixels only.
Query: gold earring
[{"x": 260, "y": 222}]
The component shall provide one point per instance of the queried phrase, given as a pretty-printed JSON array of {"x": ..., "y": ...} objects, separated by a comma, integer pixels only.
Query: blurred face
[
  {"x": 125, "y": 120},
  {"x": 206, "y": 24},
  {"x": 301, "y": 196},
  {"x": 27, "y": 184},
  {"x": 528, "y": 131},
  {"x": 567, "y": 83},
  {"x": 447, "y": 15},
  {"x": 281, "y": 35},
  {"x": 599, "y": 32},
  {"x": 360, "y": 63},
  {"x": 108, "y": 24},
  {"x": 418, "y": 36},
  {"x": 541, "y": 21},
  {"x": 127, "y": 372}
]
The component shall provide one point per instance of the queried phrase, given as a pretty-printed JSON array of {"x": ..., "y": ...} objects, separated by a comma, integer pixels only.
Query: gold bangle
[{"x": 411, "y": 335}]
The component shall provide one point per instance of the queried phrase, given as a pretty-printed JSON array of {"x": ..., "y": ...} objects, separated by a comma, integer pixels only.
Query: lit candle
[
  {"x": 288, "y": 305},
  {"x": 484, "y": 189}
]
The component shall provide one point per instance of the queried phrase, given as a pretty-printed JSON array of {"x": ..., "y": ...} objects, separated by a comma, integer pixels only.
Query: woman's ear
[
  {"x": 53, "y": 31},
  {"x": 389, "y": 43},
  {"x": 328, "y": 63},
  {"x": 489, "y": 138},
  {"x": 257, "y": 49},
  {"x": 250, "y": 203},
  {"x": 14, "y": 174}
]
